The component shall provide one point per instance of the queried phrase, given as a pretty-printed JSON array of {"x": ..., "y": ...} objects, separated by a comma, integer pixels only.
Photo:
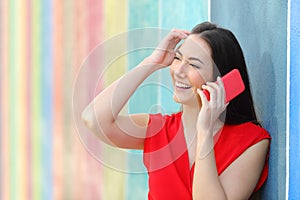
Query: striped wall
[
  {"x": 42, "y": 46},
  {"x": 55, "y": 56},
  {"x": 44, "y": 85}
]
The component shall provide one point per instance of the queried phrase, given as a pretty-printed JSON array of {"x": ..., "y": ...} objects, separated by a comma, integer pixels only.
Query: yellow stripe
[
  {"x": 15, "y": 106},
  {"x": 114, "y": 23}
]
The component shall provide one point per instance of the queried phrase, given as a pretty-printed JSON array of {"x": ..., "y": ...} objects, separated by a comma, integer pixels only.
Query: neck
[
  {"x": 190, "y": 115},
  {"x": 190, "y": 118}
]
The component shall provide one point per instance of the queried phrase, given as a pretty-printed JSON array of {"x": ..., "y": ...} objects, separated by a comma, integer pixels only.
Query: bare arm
[
  {"x": 102, "y": 114},
  {"x": 236, "y": 182},
  {"x": 240, "y": 178}
]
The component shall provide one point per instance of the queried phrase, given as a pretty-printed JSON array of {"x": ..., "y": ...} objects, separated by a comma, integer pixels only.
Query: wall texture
[{"x": 261, "y": 28}]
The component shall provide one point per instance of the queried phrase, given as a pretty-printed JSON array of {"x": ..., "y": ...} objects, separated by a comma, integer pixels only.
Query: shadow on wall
[{"x": 264, "y": 80}]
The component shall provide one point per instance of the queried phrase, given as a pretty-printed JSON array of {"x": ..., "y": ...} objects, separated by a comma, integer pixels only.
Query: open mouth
[{"x": 182, "y": 85}]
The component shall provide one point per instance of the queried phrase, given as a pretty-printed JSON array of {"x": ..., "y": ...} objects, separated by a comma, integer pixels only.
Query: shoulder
[
  {"x": 161, "y": 130},
  {"x": 236, "y": 139},
  {"x": 246, "y": 131},
  {"x": 160, "y": 120},
  {"x": 156, "y": 116}
]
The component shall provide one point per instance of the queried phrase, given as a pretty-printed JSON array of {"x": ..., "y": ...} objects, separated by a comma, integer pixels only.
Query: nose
[{"x": 181, "y": 69}]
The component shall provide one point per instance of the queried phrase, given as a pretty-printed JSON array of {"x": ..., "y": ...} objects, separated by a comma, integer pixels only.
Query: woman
[{"x": 195, "y": 153}]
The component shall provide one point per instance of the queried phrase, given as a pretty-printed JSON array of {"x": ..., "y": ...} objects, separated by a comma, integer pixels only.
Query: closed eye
[
  {"x": 177, "y": 58},
  {"x": 195, "y": 66}
]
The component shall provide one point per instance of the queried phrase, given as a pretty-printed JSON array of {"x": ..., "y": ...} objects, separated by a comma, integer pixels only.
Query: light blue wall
[
  {"x": 260, "y": 27},
  {"x": 294, "y": 181}
]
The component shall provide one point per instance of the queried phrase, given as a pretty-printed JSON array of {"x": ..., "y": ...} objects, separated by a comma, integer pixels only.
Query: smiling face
[{"x": 191, "y": 68}]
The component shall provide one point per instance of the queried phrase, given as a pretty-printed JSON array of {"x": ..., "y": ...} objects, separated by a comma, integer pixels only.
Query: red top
[{"x": 166, "y": 155}]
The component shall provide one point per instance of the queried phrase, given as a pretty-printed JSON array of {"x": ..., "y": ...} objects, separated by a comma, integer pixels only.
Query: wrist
[
  {"x": 148, "y": 62},
  {"x": 205, "y": 145},
  {"x": 204, "y": 133}
]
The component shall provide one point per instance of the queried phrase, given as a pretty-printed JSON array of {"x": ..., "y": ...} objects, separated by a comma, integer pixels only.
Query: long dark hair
[{"x": 227, "y": 55}]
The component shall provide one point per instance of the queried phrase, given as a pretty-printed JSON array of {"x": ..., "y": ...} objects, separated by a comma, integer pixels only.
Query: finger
[
  {"x": 219, "y": 92},
  {"x": 203, "y": 98},
  {"x": 212, "y": 91},
  {"x": 221, "y": 84},
  {"x": 181, "y": 30},
  {"x": 187, "y": 32},
  {"x": 220, "y": 81},
  {"x": 212, "y": 103},
  {"x": 180, "y": 33}
]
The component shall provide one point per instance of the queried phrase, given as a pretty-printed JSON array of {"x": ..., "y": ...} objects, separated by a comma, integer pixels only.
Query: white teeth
[{"x": 182, "y": 85}]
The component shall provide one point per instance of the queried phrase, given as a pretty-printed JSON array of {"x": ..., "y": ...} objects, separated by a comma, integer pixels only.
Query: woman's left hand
[{"x": 212, "y": 109}]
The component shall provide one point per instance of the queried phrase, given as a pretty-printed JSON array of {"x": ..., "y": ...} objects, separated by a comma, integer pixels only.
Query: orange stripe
[
  {"x": 78, "y": 55},
  {"x": 69, "y": 169}
]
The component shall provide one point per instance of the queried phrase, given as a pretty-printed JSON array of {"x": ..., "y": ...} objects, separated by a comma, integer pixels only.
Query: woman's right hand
[{"x": 164, "y": 53}]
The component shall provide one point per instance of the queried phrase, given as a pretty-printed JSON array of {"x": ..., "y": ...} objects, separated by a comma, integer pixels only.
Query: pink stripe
[
  {"x": 5, "y": 103},
  {"x": 58, "y": 179},
  {"x": 78, "y": 55},
  {"x": 94, "y": 27},
  {"x": 28, "y": 99}
]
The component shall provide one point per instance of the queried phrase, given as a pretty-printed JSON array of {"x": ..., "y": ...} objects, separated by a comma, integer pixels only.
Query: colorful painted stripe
[
  {"x": 28, "y": 106},
  {"x": 5, "y": 136}
]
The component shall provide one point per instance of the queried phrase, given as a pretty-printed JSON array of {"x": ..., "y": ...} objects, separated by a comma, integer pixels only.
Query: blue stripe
[
  {"x": 294, "y": 181},
  {"x": 147, "y": 14},
  {"x": 183, "y": 16},
  {"x": 47, "y": 97},
  {"x": 141, "y": 14}
]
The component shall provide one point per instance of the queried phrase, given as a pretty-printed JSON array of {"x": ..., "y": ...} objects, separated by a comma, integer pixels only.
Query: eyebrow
[{"x": 190, "y": 58}]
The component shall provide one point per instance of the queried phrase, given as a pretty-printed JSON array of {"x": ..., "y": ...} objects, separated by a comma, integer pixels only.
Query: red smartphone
[{"x": 233, "y": 85}]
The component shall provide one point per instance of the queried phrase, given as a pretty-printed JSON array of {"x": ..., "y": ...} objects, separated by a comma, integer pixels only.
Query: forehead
[{"x": 194, "y": 46}]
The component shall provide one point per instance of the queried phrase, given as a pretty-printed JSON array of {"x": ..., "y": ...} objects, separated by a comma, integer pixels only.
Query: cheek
[
  {"x": 172, "y": 69},
  {"x": 196, "y": 79}
]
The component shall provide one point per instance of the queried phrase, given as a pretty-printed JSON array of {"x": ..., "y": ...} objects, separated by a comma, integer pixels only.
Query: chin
[{"x": 185, "y": 100}]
